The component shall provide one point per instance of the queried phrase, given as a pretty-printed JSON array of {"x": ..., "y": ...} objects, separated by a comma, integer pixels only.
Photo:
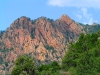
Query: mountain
[{"x": 43, "y": 39}]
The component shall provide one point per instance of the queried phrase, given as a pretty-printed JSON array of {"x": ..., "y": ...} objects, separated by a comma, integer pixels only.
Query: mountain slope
[{"x": 43, "y": 38}]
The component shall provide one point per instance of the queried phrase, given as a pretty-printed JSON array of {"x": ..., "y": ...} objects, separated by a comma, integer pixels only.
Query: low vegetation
[{"x": 49, "y": 47}]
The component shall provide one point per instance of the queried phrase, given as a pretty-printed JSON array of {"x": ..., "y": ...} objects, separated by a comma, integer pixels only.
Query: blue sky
[{"x": 84, "y": 11}]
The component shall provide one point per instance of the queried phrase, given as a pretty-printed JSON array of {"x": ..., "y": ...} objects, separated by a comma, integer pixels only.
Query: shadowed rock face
[{"x": 43, "y": 39}]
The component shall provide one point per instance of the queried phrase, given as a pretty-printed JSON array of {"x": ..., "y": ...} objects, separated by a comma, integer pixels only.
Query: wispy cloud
[
  {"x": 82, "y": 5},
  {"x": 86, "y": 17},
  {"x": 75, "y": 3}
]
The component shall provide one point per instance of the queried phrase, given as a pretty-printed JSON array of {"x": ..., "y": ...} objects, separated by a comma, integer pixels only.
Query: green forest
[{"x": 81, "y": 58}]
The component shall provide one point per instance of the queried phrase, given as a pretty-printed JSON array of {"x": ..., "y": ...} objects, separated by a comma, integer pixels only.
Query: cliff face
[{"x": 43, "y": 39}]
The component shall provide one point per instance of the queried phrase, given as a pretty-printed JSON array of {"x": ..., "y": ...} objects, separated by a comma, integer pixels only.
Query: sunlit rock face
[{"x": 43, "y": 39}]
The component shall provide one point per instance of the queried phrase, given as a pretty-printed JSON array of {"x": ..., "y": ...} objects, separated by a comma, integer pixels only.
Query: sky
[{"x": 83, "y": 11}]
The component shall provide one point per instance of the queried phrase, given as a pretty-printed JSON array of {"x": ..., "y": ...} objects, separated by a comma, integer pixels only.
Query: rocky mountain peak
[
  {"x": 42, "y": 38},
  {"x": 66, "y": 23},
  {"x": 22, "y": 22},
  {"x": 65, "y": 18}
]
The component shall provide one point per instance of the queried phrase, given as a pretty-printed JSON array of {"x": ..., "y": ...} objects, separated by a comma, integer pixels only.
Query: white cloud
[
  {"x": 86, "y": 17},
  {"x": 82, "y": 5},
  {"x": 60, "y": 3},
  {"x": 75, "y": 3}
]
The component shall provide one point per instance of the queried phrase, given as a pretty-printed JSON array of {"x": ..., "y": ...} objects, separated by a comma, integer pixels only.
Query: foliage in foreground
[
  {"x": 51, "y": 69},
  {"x": 24, "y": 66},
  {"x": 83, "y": 57}
]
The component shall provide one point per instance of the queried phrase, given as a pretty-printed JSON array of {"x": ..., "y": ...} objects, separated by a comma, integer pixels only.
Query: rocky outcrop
[{"x": 43, "y": 38}]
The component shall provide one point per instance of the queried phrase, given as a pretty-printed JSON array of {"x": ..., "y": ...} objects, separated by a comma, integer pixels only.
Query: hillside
[
  {"x": 82, "y": 58},
  {"x": 43, "y": 38}
]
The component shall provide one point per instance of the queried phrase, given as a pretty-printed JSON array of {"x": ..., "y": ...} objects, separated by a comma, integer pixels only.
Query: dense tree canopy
[
  {"x": 24, "y": 66},
  {"x": 50, "y": 69},
  {"x": 83, "y": 57}
]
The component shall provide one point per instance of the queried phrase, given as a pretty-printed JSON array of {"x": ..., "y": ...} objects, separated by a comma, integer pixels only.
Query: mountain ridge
[{"x": 42, "y": 38}]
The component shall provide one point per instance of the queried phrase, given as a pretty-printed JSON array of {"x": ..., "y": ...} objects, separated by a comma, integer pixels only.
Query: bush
[
  {"x": 1, "y": 60},
  {"x": 50, "y": 69},
  {"x": 24, "y": 66},
  {"x": 49, "y": 47}
]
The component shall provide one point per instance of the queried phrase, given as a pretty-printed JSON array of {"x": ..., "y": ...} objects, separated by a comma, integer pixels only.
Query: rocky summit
[{"x": 43, "y": 39}]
